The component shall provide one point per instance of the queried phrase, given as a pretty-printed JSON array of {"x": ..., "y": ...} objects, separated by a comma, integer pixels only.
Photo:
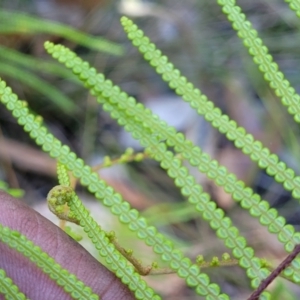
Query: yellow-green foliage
[{"x": 162, "y": 143}]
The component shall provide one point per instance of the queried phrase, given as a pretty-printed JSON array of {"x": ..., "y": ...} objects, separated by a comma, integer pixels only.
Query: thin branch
[{"x": 264, "y": 284}]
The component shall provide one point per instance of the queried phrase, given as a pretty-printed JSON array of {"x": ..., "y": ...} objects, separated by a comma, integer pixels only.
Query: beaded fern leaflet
[
  {"x": 9, "y": 289},
  {"x": 83, "y": 72},
  {"x": 63, "y": 194},
  {"x": 229, "y": 233},
  {"x": 69, "y": 282},
  {"x": 150, "y": 131},
  {"x": 262, "y": 57},
  {"x": 249, "y": 199},
  {"x": 253, "y": 148},
  {"x": 109, "y": 198},
  {"x": 182, "y": 179},
  {"x": 183, "y": 268}
]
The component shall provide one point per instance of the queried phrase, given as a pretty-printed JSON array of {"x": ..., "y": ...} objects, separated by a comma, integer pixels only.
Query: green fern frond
[
  {"x": 262, "y": 58},
  {"x": 8, "y": 289},
  {"x": 258, "y": 208},
  {"x": 135, "y": 118},
  {"x": 69, "y": 282},
  {"x": 160, "y": 142},
  {"x": 243, "y": 140},
  {"x": 129, "y": 114},
  {"x": 117, "y": 263},
  {"x": 161, "y": 245},
  {"x": 89, "y": 76},
  {"x": 249, "y": 200}
]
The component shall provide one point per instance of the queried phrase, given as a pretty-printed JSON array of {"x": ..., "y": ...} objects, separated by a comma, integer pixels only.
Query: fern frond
[
  {"x": 138, "y": 121},
  {"x": 157, "y": 137},
  {"x": 69, "y": 282},
  {"x": 96, "y": 234},
  {"x": 88, "y": 75},
  {"x": 262, "y": 57},
  {"x": 65, "y": 195},
  {"x": 243, "y": 140},
  {"x": 135, "y": 118},
  {"x": 249, "y": 200},
  {"x": 161, "y": 245},
  {"x": 9, "y": 289}
]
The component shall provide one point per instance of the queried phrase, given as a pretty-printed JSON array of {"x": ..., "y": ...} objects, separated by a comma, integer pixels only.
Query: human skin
[{"x": 35, "y": 284}]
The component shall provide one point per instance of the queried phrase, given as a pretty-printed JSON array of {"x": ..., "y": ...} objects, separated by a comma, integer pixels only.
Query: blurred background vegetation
[{"x": 198, "y": 39}]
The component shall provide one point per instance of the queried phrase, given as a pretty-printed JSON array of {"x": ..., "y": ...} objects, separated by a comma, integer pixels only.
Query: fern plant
[{"x": 163, "y": 144}]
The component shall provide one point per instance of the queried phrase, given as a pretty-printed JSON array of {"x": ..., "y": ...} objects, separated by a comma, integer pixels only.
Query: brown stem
[{"x": 263, "y": 285}]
